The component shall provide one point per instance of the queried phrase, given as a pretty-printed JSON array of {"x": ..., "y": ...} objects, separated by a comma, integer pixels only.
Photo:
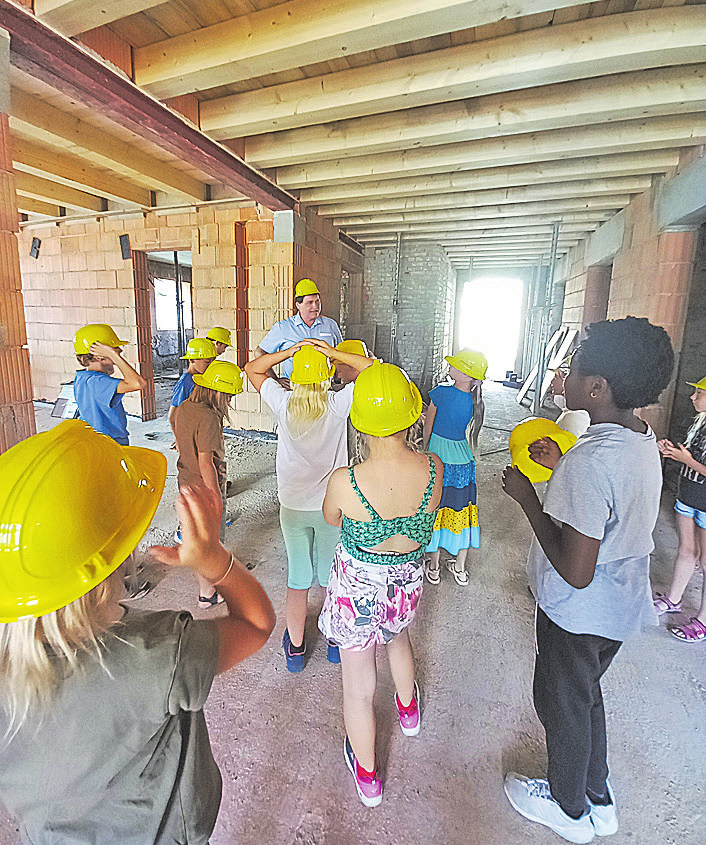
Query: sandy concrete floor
[{"x": 278, "y": 738}]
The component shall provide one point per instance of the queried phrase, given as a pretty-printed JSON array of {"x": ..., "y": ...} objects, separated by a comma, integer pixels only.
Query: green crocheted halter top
[{"x": 358, "y": 536}]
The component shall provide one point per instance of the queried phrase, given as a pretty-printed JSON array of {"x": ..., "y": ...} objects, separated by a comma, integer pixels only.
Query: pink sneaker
[
  {"x": 410, "y": 717},
  {"x": 369, "y": 789}
]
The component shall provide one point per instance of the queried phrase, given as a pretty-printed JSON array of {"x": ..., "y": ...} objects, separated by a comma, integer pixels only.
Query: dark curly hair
[{"x": 634, "y": 356}]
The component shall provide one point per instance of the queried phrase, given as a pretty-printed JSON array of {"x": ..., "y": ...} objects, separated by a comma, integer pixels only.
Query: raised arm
[
  {"x": 131, "y": 379},
  {"x": 571, "y": 553},
  {"x": 260, "y": 368}
]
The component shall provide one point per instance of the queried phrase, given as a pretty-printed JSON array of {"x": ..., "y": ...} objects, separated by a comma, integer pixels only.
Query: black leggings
[{"x": 569, "y": 703}]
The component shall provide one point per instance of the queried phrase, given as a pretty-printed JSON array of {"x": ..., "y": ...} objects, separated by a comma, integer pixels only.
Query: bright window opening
[
  {"x": 491, "y": 309},
  {"x": 166, "y": 304}
]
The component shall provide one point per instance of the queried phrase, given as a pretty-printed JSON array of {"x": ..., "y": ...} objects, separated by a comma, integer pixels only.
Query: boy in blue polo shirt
[
  {"x": 589, "y": 568},
  {"x": 98, "y": 395}
]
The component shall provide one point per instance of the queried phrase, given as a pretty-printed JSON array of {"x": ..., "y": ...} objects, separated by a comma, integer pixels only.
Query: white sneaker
[
  {"x": 604, "y": 817},
  {"x": 532, "y": 798}
]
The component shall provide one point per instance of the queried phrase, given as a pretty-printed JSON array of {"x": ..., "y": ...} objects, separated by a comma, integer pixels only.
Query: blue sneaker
[
  {"x": 295, "y": 661},
  {"x": 334, "y": 655}
]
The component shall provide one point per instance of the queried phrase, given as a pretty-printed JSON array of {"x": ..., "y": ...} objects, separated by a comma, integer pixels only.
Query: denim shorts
[{"x": 691, "y": 513}]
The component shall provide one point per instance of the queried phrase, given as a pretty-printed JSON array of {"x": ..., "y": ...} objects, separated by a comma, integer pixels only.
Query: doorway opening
[
  {"x": 172, "y": 320},
  {"x": 489, "y": 321}
]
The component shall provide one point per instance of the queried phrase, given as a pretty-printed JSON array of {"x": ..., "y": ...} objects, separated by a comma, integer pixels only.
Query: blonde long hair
[
  {"x": 35, "y": 653},
  {"x": 695, "y": 426},
  {"x": 308, "y": 403}
]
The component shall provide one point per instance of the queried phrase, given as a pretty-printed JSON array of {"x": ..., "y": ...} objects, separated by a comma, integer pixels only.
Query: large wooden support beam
[
  {"x": 590, "y": 219},
  {"x": 449, "y": 238},
  {"x": 500, "y": 196},
  {"x": 587, "y": 48},
  {"x": 33, "y": 206},
  {"x": 46, "y": 55},
  {"x": 625, "y": 96},
  {"x": 303, "y": 32},
  {"x": 74, "y": 171},
  {"x": 625, "y": 136},
  {"x": 74, "y": 16},
  {"x": 522, "y": 209},
  {"x": 608, "y": 166},
  {"x": 45, "y": 189}
]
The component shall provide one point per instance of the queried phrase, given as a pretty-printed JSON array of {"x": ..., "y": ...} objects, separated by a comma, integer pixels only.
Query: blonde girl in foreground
[
  {"x": 102, "y": 731},
  {"x": 311, "y": 444},
  {"x": 385, "y": 507}
]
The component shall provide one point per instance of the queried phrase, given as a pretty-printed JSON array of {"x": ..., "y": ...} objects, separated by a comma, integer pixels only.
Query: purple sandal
[
  {"x": 693, "y": 632},
  {"x": 664, "y": 605}
]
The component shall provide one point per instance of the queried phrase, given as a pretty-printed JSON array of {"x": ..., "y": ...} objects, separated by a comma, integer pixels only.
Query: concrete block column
[{"x": 16, "y": 408}]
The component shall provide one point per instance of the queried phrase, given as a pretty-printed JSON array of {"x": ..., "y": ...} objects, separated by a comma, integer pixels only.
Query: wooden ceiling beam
[
  {"x": 586, "y": 218},
  {"x": 48, "y": 56},
  {"x": 304, "y": 32},
  {"x": 44, "y": 189},
  {"x": 620, "y": 165},
  {"x": 609, "y": 99},
  {"x": 499, "y": 196},
  {"x": 449, "y": 238},
  {"x": 73, "y": 16},
  {"x": 626, "y": 136},
  {"x": 75, "y": 172},
  {"x": 28, "y": 205},
  {"x": 521, "y": 209},
  {"x": 587, "y": 48},
  {"x": 40, "y": 120}
]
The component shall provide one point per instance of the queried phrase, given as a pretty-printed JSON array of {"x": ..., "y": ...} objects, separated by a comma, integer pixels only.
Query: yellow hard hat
[
  {"x": 470, "y": 362},
  {"x": 529, "y": 431},
  {"x": 385, "y": 401},
  {"x": 305, "y": 288},
  {"x": 95, "y": 333},
  {"x": 700, "y": 384},
  {"x": 223, "y": 376},
  {"x": 199, "y": 348},
  {"x": 219, "y": 335},
  {"x": 353, "y": 347},
  {"x": 309, "y": 366},
  {"x": 73, "y": 505}
]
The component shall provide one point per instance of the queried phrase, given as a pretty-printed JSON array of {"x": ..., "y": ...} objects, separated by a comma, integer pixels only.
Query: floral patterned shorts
[{"x": 366, "y": 603}]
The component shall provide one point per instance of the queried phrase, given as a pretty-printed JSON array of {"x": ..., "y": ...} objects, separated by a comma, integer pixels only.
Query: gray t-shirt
[
  {"x": 607, "y": 487},
  {"x": 122, "y": 756}
]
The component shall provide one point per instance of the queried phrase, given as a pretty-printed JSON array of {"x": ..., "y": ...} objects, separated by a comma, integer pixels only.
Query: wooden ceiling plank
[
  {"x": 501, "y": 196},
  {"x": 305, "y": 31},
  {"x": 73, "y": 16},
  {"x": 41, "y": 159},
  {"x": 138, "y": 30},
  {"x": 44, "y": 189},
  {"x": 608, "y": 99},
  {"x": 590, "y": 218},
  {"x": 627, "y": 164},
  {"x": 522, "y": 209},
  {"x": 628, "y": 136},
  {"x": 551, "y": 55}
]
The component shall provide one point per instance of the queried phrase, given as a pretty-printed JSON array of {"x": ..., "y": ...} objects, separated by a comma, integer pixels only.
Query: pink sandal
[
  {"x": 664, "y": 605},
  {"x": 693, "y": 632}
]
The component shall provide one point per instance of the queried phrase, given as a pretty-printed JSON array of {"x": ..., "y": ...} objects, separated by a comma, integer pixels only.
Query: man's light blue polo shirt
[{"x": 286, "y": 333}]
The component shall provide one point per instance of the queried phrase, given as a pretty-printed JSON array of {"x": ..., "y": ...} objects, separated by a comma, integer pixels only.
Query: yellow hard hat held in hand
[
  {"x": 528, "y": 432},
  {"x": 73, "y": 506}
]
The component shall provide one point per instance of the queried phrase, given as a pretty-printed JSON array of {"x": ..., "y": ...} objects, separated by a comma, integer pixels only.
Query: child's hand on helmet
[
  {"x": 199, "y": 510},
  {"x": 545, "y": 452}
]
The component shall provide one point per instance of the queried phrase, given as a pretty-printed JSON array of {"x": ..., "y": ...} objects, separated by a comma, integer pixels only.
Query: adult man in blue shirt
[{"x": 307, "y": 322}]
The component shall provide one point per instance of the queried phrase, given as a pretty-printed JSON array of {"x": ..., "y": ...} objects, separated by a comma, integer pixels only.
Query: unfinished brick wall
[
  {"x": 651, "y": 277},
  {"x": 425, "y": 313}
]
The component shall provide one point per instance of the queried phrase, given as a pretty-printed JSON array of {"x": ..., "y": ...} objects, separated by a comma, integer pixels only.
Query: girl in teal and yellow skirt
[{"x": 453, "y": 407}]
